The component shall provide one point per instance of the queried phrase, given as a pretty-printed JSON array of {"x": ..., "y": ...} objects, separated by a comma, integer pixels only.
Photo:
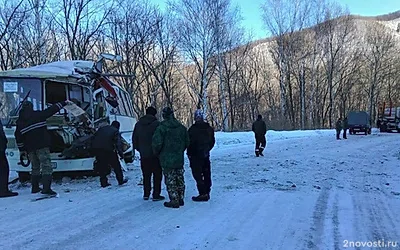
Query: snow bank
[{"x": 234, "y": 138}]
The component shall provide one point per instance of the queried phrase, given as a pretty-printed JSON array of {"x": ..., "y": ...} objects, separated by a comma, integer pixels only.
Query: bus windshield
[{"x": 13, "y": 91}]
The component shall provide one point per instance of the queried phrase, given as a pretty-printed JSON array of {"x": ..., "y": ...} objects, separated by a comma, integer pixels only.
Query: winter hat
[
  {"x": 198, "y": 115},
  {"x": 151, "y": 111},
  {"x": 27, "y": 105},
  {"x": 116, "y": 124},
  {"x": 166, "y": 112},
  {"x": 259, "y": 117}
]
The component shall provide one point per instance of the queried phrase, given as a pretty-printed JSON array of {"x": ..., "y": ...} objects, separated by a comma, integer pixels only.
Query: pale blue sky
[{"x": 252, "y": 15}]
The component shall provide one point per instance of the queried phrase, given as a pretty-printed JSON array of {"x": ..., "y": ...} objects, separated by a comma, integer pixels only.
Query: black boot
[
  {"x": 46, "y": 180},
  {"x": 35, "y": 179},
  {"x": 104, "y": 181},
  {"x": 105, "y": 185},
  {"x": 158, "y": 198},
  {"x": 171, "y": 204},
  {"x": 202, "y": 197},
  {"x": 122, "y": 182},
  {"x": 181, "y": 202},
  {"x": 261, "y": 151},
  {"x": 8, "y": 193}
]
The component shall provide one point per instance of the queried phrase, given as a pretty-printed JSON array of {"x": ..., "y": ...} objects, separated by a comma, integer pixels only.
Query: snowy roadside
[
  {"x": 235, "y": 138},
  {"x": 224, "y": 139}
]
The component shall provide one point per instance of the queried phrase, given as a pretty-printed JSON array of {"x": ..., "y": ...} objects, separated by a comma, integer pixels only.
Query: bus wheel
[{"x": 24, "y": 177}]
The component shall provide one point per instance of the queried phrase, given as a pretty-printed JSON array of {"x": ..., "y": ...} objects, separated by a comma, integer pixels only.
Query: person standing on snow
[
  {"x": 107, "y": 146},
  {"x": 169, "y": 143},
  {"x": 33, "y": 139},
  {"x": 4, "y": 167},
  {"x": 345, "y": 127},
  {"x": 260, "y": 129},
  {"x": 150, "y": 164},
  {"x": 202, "y": 140},
  {"x": 338, "y": 128}
]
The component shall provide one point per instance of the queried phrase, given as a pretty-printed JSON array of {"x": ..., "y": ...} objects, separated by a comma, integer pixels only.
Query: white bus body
[{"x": 54, "y": 82}]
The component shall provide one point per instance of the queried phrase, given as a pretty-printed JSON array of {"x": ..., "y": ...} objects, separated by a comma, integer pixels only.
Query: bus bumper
[{"x": 59, "y": 165}]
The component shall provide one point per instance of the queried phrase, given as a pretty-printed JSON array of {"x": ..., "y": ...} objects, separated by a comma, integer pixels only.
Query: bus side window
[
  {"x": 128, "y": 104},
  {"x": 123, "y": 103},
  {"x": 131, "y": 104},
  {"x": 120, "y": 108},
  {"x": 99, "y": 107}
]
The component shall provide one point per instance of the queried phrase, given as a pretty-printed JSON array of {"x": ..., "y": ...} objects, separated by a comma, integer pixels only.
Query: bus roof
[{"x": 62, "y": 69}]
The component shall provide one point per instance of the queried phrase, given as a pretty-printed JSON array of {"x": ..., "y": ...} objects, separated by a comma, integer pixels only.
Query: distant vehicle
[
  {"x": 358, "y": 122},
  {"x": 99, "y": 100},
  {"x": 389, "y": 118}
]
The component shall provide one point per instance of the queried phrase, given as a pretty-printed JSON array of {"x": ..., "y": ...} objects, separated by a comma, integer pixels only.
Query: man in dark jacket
[
  {"x": 33, "y": 138},
  {"x": 150, "y": 164},
  {"x": 4, "y": 167},
  {"x": 345, "y": 127},
  {"x": 170, "y": 141},
  {"x": 260, "y": 129},
  {"x": 338, "y": 128},
  {"x": 202, "y": 140},
  {"x": 106, "y": 146}
]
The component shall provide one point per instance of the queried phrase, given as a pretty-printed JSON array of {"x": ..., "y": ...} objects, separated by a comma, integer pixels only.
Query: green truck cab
[{"x": 359, "y": 122}]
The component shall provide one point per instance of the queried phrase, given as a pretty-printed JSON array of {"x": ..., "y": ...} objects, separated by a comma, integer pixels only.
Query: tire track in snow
[{"x": 319, "y": 214}]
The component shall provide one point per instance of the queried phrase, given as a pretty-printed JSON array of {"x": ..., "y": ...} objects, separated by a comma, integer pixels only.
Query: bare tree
[
  {"x": 198, "y": 39},
  {"x": 229, "y": 37},
  {"x": 162, "y": 57},
  {"x": 11, "y": 15},
  {"x": 37, "y": 34},
  {"x": 132, "y": 31},
  {"x": 80, "y": 23},
  {"x": 379, "y": 58},
  {"x": 338, "y": 29},
  {"x": 284, "y": 18}
]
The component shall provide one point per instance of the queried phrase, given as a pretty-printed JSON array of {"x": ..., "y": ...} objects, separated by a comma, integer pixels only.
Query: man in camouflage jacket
[{"x": 169, "y": 143}]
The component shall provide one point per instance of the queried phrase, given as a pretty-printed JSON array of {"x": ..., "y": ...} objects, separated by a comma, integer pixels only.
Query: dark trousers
[
  {"x": 201, "y": 171},
  {"x": 338, "y": 134},
  {"x": 151, "y": 167},
  {"x": 4, "y": 172},
  {"x": 344, "y": 133},
  {"x": 260, "y": 142},
  {"x": 107, "y": 160}
]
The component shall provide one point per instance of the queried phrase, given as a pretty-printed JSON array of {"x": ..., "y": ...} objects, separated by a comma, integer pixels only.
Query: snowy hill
[{"x": 309, "y": 191}]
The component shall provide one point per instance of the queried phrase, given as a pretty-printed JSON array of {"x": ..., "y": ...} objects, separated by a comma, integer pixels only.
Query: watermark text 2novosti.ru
[{"x": 377, "y": 243}]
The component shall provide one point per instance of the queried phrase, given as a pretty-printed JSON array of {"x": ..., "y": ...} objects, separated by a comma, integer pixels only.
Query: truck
[
  {"x": 358, "y": 122},
  {"x": 389, "y": 118}
]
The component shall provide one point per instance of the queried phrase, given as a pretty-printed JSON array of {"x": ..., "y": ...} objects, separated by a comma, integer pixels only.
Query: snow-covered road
[{"x": 308, "y": 192}]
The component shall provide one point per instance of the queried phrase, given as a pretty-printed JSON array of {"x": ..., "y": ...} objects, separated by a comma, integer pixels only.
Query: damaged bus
[{"x": 100, "y": 101}]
